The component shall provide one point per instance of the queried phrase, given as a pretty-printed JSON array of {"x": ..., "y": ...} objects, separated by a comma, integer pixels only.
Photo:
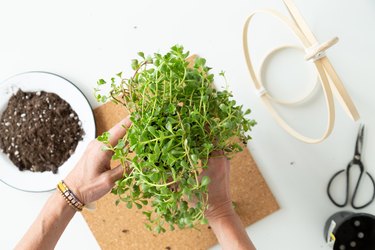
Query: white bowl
[{"x": 49, "y": 82}]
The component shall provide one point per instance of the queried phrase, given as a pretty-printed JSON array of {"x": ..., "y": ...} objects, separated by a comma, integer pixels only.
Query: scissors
[{"x": 356, "y": 161}]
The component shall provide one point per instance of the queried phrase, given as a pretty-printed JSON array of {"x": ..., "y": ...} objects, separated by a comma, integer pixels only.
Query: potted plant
[{"x": 178, "y": 119}]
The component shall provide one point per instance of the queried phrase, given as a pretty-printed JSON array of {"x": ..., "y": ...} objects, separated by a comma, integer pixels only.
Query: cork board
[{"x": 117, "y": 227}]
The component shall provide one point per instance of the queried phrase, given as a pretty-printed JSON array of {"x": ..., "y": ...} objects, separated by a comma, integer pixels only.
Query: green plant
[{"x": 178, "y": 119}]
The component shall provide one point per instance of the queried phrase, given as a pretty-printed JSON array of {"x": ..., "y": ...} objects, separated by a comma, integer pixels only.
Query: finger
[
  {"x": 115, "y": 173},
  {"x": 116, "y": 132},
  {"x": 216, "y": 153},
  {"x": 217, "y": 158},
  {"x": 218, "y": 167},
  {"x": 119, "y": 130}
]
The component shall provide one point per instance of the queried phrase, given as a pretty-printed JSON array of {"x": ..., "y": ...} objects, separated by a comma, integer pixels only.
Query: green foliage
[{"x": 178, "y": 119}]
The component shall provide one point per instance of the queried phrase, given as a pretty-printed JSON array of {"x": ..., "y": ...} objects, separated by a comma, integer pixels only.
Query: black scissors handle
[{"x": 347, "y": 187}]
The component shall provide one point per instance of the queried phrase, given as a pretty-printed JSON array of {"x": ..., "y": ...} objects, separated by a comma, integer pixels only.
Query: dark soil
[{"x": 39, "y": 131}]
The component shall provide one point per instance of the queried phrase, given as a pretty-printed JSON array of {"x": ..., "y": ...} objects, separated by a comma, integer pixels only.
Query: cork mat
[{"x": 117, "y": 227}]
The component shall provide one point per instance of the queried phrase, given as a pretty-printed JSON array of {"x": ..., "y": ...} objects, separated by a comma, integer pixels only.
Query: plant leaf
[{"x": 205, "y": 180}]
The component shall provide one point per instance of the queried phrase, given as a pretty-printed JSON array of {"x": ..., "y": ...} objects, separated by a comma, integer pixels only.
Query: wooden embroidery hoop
[{"x": 315, "y": 52}]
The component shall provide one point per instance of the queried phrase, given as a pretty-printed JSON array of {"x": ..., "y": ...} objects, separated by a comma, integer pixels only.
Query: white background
[{"x": 87, "y": 40}]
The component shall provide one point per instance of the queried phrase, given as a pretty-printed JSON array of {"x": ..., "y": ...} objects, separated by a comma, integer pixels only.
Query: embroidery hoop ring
[
  {"x": 325, "y": 71},
  {"x": 300, "y": 99}
]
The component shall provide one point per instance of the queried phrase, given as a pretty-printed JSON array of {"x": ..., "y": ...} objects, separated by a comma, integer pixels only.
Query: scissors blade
[{"x": 359, "y": 143}]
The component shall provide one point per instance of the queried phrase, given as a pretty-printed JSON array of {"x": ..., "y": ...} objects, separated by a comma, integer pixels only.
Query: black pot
[{"x": 352, "y": 230}]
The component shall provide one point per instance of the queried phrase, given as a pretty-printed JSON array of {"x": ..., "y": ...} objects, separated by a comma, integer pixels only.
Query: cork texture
[{"x": 117, "y": 227}]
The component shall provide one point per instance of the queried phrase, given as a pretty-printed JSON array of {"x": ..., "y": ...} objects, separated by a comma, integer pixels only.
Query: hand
[
  {"x": 219, "y": 198},
  {"x": 220, "y": 214},
  {"x": 93, "y": 177}
]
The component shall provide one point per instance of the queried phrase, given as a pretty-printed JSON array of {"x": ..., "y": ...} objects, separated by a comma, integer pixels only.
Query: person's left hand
[{"x": 93, "y": 177}]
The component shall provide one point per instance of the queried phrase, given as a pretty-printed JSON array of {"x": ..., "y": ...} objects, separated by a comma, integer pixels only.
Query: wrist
[
  {"x": 60, "y": 201},
  {"x": 71, "y": 195},
  {"x": 76, "y": 188}
]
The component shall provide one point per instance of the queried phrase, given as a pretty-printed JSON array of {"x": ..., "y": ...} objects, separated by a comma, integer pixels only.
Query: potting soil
[{"x": 39, "y": 131}]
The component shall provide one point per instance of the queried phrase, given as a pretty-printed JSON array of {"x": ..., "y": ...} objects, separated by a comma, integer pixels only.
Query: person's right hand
[
  {"x": 220, "y": 214},
  {"x": 219, "y": 198}
]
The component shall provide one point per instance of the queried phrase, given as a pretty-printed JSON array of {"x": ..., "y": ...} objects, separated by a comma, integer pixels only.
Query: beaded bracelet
[{"x": 69, "y": 196}]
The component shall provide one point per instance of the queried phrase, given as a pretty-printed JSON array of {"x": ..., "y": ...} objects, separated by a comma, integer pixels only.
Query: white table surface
[{"x": 87, "y": 40}]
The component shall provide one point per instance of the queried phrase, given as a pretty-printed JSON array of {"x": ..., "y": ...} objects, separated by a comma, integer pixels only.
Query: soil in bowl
[{"x": 39, "y": 131}]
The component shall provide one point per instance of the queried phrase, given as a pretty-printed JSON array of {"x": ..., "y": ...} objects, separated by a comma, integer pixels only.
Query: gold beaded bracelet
[{"x": 69, "y": 196}]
